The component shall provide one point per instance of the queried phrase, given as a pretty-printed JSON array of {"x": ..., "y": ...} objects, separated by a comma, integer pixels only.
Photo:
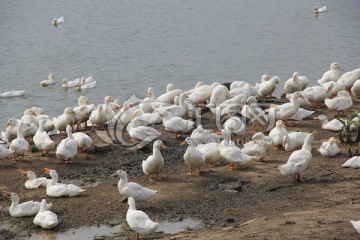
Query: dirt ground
[{"x": 250, "y": 203}]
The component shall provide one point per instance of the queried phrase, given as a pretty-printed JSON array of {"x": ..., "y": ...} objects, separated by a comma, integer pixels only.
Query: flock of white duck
[{"x": 174, "y": 109}]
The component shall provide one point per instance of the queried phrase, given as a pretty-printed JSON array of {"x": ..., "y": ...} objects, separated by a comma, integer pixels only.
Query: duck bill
[
  {"x": 47, "y": 170},
  {"x": 113, "y": 175},
  {"x": 218, "y": 133},
  {"x": 184, "y": 143},
  {"x": 314, "y": 132},
  {"x": 316, "y": 118},
  {"x": 23, "y": 173},
  {"x": 163, "y": 146}
]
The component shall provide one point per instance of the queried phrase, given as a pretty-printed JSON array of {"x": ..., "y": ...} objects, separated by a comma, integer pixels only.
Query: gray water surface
[{"x": 130, "y": 45}]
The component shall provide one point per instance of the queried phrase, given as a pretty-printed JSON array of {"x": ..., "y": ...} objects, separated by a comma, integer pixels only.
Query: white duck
[
  {"x": 219, "y": 94},
  {"x": 317, "y": 94},
  {"x": 132, "y": 189},
  {"x": 67, "y": 147},
  {"x": 287, "y": 110},
  {"x": 329, "y": 148},
  {"x": 202, "y": 93},
  {"x": 11, "y": 129},
  {"x": 265, "y": 77},
  {"x": 30, "y": 117},
  {"x": 55, "y": 189},
  {"x": 174, "y": 110},
  {"x": 231, "y": 153},
  {"x": 353, "y": 162},
  {"x": 34, "y": 182},
  {"x": 176, "y": 124},
  {"x": 332, "y": 75},
  {"x": 81, "y": 86},
  {"x": 317, "y": 9},
  {"x": 256, "y": 114},
  {"x": 19, "y": 145},
  {"x": 294, "y": 140},
  {"x": 13, "y": 93},
  {"x": 211, "y": 152},
  {"x": 231, "y": 106},
  {"x": 67, "y": 118},
  {"x": 303, "y": 102},
  {"x": 197, "y": 85},
  {"x": 155, "y": 162},
  {"x": 48, "y": 82},
  {"x": 235, "y": 125},
  {"x": 142, "y": 133},
  {"x": 126, "y": 113},
  {"x": 296, "y": 83},
  {"x": 84, "y": 142},
  {"x": 83, "y": 110},
  {"x": 355, "y": 89},
  {"x": 237, "y": 84},
  {"x": 193, "y": 157},
  {"x": 336, "y": 87},
  {"x": 69, "y": 84},
  {"x": 150, "y": 118},
  {"x": 277, "y": 133},
  {"x": 334, "y": 125},
  {"x": 98, "y": 117},
  {"x": 299, "y": 159},
  {"x": 42, "y": 140},
  {"x": 356, "y": 225},
  {"x": 268, "y": 87},
  {"x": 340, "y": 103},
  {"x": 57, "y": 21},
  {"x": 139, "y": 221},
  {"x": 258, "y": 147},
  {"x": 5, "y": 152},
  {"x": 48, "y": 125},
  {"x": 200, "y": 135},
  {"x": 302, "y": 114},
  {"x": 349, "y": 78},
  {"x": 45, "y": 218},
  {"x": 168, "y": 97},
  {"x": 25, "y": 209},
  {"x": 146, "y": 104}
]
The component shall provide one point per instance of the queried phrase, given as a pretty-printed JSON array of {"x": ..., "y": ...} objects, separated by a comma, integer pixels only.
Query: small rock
[{"x": 230, "y": 220}]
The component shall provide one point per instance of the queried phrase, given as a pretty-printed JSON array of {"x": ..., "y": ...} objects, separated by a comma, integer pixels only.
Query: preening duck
[
  {"x": 340, "y": 103},
  {"x": 45, "y": 218}
]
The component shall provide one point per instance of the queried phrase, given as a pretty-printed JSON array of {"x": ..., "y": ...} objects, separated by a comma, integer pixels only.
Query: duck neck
[
  {"x": 156, "y": 151},
  {"x": 54, "y": 179},
  {"x": 14, "y": 202},
  {"x": 307, "y": 144},
  {"x": 20, "y": 133},
  {"x": 122, "y": 181}
]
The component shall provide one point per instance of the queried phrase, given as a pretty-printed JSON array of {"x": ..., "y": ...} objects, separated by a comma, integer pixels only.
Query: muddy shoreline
[{"x": 251, "y": 203}]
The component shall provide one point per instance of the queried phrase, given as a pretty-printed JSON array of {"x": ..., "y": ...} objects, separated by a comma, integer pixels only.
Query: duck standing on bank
[
  {"x": 155, "y": 162},
  {"x": 193, "y": 157},
  {"x": 299, "y": 159},
  {"x": 139, "y": 221}
]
